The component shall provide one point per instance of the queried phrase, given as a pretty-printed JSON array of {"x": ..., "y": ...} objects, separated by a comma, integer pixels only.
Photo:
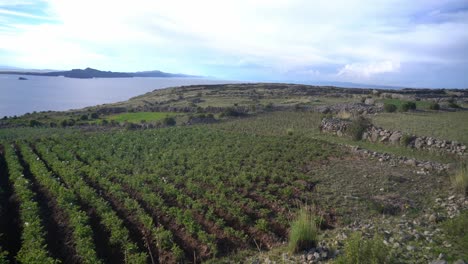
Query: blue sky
[{"x": 419, "y": 43}]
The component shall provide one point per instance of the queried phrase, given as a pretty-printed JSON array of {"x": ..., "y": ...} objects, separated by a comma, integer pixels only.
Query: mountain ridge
[{"x": 89, "y": 73}]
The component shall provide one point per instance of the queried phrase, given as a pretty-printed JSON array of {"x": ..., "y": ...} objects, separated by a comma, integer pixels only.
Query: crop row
[
  {"x": 152, "y": 235},
  {"x": 66, "y": 201},
  {"x": 33, "y": 248},
  {"x": 145, "y": 196},
  {"x": 119, "y": 235}
]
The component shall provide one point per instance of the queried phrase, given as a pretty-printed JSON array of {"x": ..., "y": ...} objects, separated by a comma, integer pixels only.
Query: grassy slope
[
  {"x": 443, "y": 125},
  {"x": 139, "y": 116},
  {"x": 307, "y": 124}
]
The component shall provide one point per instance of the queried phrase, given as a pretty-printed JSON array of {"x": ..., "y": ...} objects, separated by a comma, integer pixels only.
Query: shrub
[
  {"x": 390, "y": 108},
  {"x": 231, "y": 112},
  {"x": 460, "y": 180},
  {"x": 104, "y": 122},
  {"x": 359, "y": 250},
  {"x": 84, "y": 117},
  {"x": 34, "y": 123},
  {"x": 357, "y": 127},
  {"x": 262, "y": 225},
  {"x": 457, "y": 231},
  {"x": 344, "y": 115},
  {"x": 434, "y": 106},
  {"x": 304, "y": 232},
  {"x": 406, "y": 106},
  {"x": 453, "y": 105},
  {"x": 94, "y": 115},
  {"x": 169, "y": 121},
  {"x": 405, "y": 140},
  {"x": 290, "y": 131}
]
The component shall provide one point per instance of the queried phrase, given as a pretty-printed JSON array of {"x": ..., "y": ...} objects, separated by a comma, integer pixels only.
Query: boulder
[
  {"x": 369, "y": 101},
  {"x": 374, "y": 136},
  {"x": 395, "y": 137},
  {"x": 418, "y": 143}
]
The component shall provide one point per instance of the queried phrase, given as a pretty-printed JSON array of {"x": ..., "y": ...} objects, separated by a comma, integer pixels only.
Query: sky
[{"x": 418, "y": 43}]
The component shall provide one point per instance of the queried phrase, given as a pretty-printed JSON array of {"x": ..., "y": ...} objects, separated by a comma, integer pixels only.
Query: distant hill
[{"x": 89, "y": 73}]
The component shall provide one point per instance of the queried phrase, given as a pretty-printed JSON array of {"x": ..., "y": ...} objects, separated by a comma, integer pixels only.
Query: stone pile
[
  {"x": 423, "y": 166},
  {"x": 357, "y": 108},
  {"x": 376, "y": 134}
]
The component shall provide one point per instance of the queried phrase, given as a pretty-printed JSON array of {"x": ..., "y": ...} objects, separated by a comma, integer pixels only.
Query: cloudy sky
[{"x": 421, "y": 43}]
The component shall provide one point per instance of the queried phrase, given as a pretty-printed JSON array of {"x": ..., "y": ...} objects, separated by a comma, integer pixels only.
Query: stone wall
[{"x": 377, "y": 134}]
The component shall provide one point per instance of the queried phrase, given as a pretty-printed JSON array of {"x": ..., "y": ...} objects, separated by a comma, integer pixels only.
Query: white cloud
[
  {"x": 282, "y": 36},
  {"x": 368, "y": 69}
]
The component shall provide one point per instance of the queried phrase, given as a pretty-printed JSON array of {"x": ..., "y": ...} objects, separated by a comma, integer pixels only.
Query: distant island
[{"x": 89, "y": 73}]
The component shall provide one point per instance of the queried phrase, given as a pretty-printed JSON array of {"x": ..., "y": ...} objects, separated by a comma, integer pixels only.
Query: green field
[
  {"x": 397, "y": 102},
  {"x": 443, "y": 125},
  {"x": 139, "y": 116}
]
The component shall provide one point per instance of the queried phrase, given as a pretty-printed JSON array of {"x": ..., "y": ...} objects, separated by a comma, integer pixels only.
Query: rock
[
  {"x": 365, "y": 135},
  {"x": 374, "y": 136},
  {"x": 433, "y": 218},
  {"x": 395, "y": 138},
  {"x": 324, "y": 255},
  {"x": 411, "y": 162},
  {"x": 460, "y": 261},
  {"x": 316, "y": 255},
  {"x": 369, "y": 101},
  {"x": 438, "y": 261},
  {"x": 410, "y": 248},
  {"x": 441, "y": 256},
  {"x": 451, "y": 197},
  {"x": 418, "y": 143},
  {"x": 310, "y": 256}
]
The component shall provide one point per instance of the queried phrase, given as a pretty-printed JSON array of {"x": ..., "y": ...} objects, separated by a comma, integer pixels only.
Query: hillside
[{"x": 233, "y": 173}]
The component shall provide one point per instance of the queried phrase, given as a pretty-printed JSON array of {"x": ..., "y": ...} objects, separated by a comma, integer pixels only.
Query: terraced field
[{"x": 155, "y": 196}]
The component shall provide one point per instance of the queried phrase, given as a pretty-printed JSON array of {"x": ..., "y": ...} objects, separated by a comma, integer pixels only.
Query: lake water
[{"x": 40, "y": 93}]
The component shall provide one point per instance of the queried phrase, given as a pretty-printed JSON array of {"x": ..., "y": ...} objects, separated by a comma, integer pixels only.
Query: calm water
[{"x": 40, "y": 93}]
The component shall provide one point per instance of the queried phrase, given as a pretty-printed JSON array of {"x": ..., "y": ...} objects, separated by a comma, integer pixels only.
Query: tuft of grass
[
  {"x": 460, "y": 180},
  {"x": 434, "y": 106},
  {"x": 357, "y": 127},
  {"x": 344, "y": 115},
  {"x": 390, "y": 108},
  {"x": 457, "y": 231},
  {"x": 406, "y": 106},
  {"x": 359, "y": 250},
  {"x": 405, "y": 139},
  {"x": 304, "y": 232}
]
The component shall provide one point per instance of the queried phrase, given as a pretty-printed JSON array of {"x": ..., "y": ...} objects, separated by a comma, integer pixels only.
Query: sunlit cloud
[{"x": 250, "y": 40}]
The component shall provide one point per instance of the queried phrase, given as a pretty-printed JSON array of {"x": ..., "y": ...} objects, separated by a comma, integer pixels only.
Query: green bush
[
  {"x": 390, "y": 108},
  {"x": 453, "y": 105},
  {"x": 405, "y": 140},
  {"x": 169, "y": 121},
  {"x": 460, "y": 180},
  {"x": 406, "y": 106},
  {"x": 359, "y": 250},
  {"x": 434, "y": 106},
  {"x": 457, "y": 231},
  {"x": 262, "y": 225},
  {"x": 3, "y": 257},
  {"x": 34, "y": 123},
  {"x": 357, "y": 127},
  {"x": 231, "y": 112},
  {"x": 304, "y": 232}
]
